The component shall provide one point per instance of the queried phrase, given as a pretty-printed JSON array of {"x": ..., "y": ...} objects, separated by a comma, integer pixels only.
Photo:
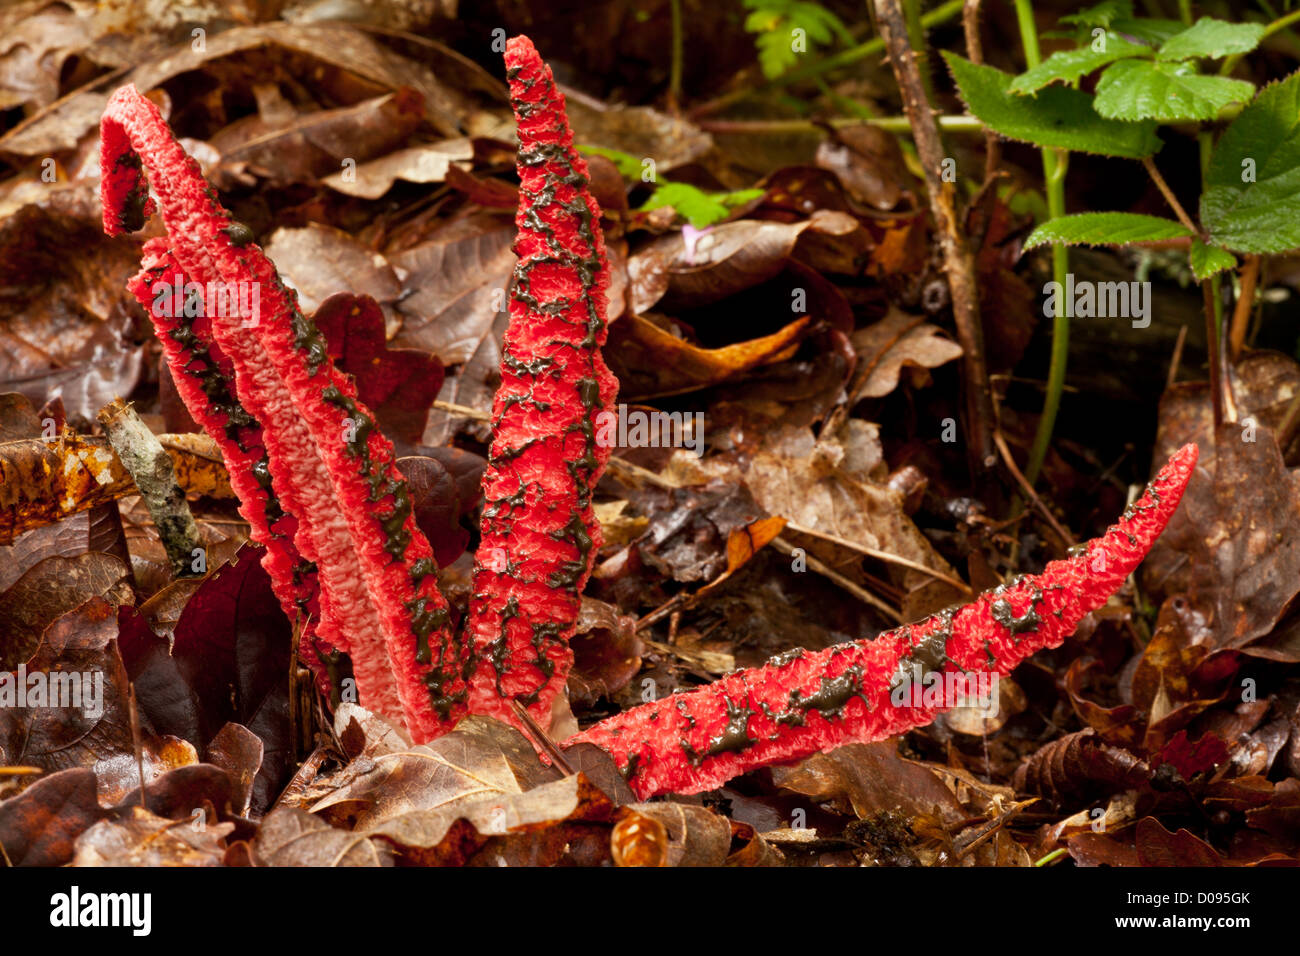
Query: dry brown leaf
[
  {"x": 428, "y": 163},
  {"x": 794, "y": 476},
  {"x": 652, "y": 363},
  {"x": 695, "y": 836},
  {"x": 319, "y": 261},
  {"x": 43, "y": 482},
  {"x": 898, "y": 340},
  {"x": 293, "y": 837},
  {"x": 299, "y": 149},
  {"x": 143, "y": 839}
]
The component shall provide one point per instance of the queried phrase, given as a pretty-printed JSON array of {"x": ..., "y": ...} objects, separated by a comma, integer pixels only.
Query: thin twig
[
  {"x": 133, "y": 711},
  {"x": 970, "y": 22},
  {"x": 1177, "y": 357},
  {"x": 715, "y": 662},
  {"x": 1028, "y": 489},
  {"x": 785, "y": 547},
  {"x": 1290, "y": 424},
  {"x": 890, "y": 124},
  {"x": 675, "y": 69},
  {"x": 674, "y": 603},
  {"x": 1215, "y": 349},
  {"x": 1168, "y": 193},
  {"x": 1245, "y": 305},
  {"x": 959, "y": 265},
  {"x": 463, "y": 410},
  {"x": 880, "y": 555},
  {"x": 543, "y": 738}
]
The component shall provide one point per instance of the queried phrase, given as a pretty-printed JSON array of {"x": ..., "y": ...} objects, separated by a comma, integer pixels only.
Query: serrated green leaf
[
  {"x": 1154, "y": 32},
  {"x": 1100, "y": 15},
  {"x": 629, "y": 167},
  {"x": 1066, "y": 66},
  {"x": 1055, "y": 116},
  {"x": 1105, "y": 229},
  {"x": 1209, "y": 260},
  {"x": 1167, "y": 92},
  {"x": 1211, "y": 38},
  {"x": 699, "y": 208},
  {"x": 1251, "y": 201}
]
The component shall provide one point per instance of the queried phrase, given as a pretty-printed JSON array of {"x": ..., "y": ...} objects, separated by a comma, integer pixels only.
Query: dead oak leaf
[
  {"x": 454, "y": 770},
  {"x": 292, "y": 837}
]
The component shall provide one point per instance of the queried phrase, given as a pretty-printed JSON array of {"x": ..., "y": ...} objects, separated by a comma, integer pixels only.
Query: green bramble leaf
[
  {"x": 1251, "y": 201},
  {"x": 1105, "y": 229},
  {"x": 1209, "y": 260},
  {"x": 1102, "y": 15},
  {"x": 1066, "y": 66},
  {"x": 1211, "y": 39},
  {"x": 629, "y": 167},
  {"x": 1133, "y": 90},
  {"x": 699, "y": 208},
  {"x": 1145, "y": 30},
  {"x": 1055, "y": 116}
]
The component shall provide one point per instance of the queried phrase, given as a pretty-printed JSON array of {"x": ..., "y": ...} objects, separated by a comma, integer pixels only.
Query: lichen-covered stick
[{"x": 801, "y": 703}]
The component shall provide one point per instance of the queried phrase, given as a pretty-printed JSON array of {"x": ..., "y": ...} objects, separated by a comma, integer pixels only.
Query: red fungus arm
[
  {"x": 375, "y": 566},
  {"x": 539, "y": 535},
  {"x": 204, "y": 380},
  {"x": 801, "y": 703}
]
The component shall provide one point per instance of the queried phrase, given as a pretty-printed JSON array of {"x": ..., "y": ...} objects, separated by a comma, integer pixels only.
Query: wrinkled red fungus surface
[
  {"x": 539, "y": 535},
  {"x": 377, "y": 575},
  {"x": 204, "y": 381},
  {"x": 801, "y": 703}
]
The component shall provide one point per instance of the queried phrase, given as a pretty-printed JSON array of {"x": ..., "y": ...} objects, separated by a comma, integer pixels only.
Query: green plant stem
[
  {"x": 891, "y": 124},
  {"x": 1185, "y": 11},
  {"x": 1055, "y": 163},
  {"x": 1054, "y": 168},
  {"x": 940, "y": 14},
  {"x": 916, "y": 37},
  {"x": 1221, "y": 399}
]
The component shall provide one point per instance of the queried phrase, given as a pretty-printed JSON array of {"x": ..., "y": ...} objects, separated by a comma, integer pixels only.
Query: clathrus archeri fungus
[
  {"x": 319, "y": 488},
  {"x": 800, "y": 703},
  {"x": 317, "y": 480}
]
